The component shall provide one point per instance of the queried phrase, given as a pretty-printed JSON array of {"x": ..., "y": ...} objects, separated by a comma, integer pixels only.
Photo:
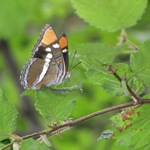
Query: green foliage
[
  {"x": 8, "y": 116},
  {"x": 137, "y": 73},
  {"x": 20, "y": 26},
  {"x": 31, "y": 144},
  {"x": 102, "y": 55},
  {"x": 109, "y": 82},
  {"x": 55, "y": 107},
  {"x": 144, "y": 21},
  {"x": 94, "y": 53},
  {"x": 140, "y": 64},
  {"x": 110, "y": 15},
  {"x": 83, "y": 137},
  {"x": 15, "y": 15},
  {"x": 133, "y": 127}
]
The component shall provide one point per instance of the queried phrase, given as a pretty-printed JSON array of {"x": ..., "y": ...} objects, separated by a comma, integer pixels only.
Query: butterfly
[{"x": 49, "y": 61}]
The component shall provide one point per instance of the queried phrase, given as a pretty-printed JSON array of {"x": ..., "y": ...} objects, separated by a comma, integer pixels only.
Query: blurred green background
[{"x": 20, "y": 25}]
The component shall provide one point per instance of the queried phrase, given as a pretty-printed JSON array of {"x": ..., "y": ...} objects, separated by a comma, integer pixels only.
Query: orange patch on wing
[
  {"x": 49, "y": 36},
  {"x": 63, "y": 42}
]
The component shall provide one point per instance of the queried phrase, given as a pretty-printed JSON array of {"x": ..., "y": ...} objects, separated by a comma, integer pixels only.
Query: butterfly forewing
[
  {"x": 64, "y": 48},
  {"x": 47, "y": 36}
]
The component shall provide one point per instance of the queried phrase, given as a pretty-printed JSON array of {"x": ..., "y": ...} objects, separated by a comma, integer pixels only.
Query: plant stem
[
  {"x": 133, "y": 94},
  {"x": 123, "y": 39}
]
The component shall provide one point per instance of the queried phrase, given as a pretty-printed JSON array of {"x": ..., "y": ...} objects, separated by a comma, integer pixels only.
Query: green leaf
[
  {"x": 55, "y": 106},
  {"x": 8, "y": 116},
  {"x": 108, "y": 81},
  {"x": 133, "y": 127},
  {"x": 31, "y": 144},
  {"x": 110, "y": 15},
  {"x": 144, "y": 21},
  {"x": 140, "y": 64},
  {"x": 94, "y": 53},
  {"x": 31, "y": 93},
  {"x": 95, "y": 57}
]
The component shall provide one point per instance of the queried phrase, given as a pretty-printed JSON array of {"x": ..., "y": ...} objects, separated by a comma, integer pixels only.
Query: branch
[
  {"x": 69, "y": 125},
  {"x": 133, "y": 94}
]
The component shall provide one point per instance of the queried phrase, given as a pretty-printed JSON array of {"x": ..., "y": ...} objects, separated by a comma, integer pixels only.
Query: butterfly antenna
[
  {"x": 70, "y": 68},
  {"x": 75, "y": 65}
]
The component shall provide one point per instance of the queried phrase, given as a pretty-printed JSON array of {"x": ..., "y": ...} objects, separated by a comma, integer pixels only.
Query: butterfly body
[{"x": 48, "y": 64}]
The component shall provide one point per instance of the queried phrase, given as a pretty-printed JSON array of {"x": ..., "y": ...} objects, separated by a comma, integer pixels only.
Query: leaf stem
[{"x": 123, "y": 39}]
